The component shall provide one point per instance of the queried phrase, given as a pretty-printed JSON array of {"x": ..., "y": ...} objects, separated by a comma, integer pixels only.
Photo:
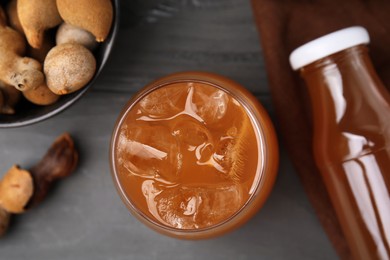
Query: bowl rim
[{"x": 110, "y": 43}]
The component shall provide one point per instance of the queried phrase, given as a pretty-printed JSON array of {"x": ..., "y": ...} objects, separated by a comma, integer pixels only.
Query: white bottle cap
[{"x": 327, "y": 45}]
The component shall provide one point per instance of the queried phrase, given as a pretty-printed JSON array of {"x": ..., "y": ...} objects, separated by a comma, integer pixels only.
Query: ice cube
[
  {"x": 211, "y": 103},
  {"x": 164, "y": 102},
  {"x": 196, "y": 138},
  {"x": 192, "y": 207},
  {"x": 149, "y": 151},
  {"x": 191, "y": 132}
]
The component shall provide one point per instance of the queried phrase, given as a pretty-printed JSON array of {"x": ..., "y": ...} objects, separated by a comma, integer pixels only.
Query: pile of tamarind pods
[{"x": 47, "y": 46}]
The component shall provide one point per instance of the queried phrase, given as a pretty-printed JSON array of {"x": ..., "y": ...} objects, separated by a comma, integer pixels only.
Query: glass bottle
[{"x": 351, "y": 116}]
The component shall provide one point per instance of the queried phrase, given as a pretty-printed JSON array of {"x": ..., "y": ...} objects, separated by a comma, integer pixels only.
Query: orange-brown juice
[
  {"x": 188, "y": 157},
  {"x": 351, "y": 137}
]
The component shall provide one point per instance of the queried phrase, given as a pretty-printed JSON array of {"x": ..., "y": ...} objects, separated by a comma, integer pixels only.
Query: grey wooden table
[{"x": 84, "y": 217}]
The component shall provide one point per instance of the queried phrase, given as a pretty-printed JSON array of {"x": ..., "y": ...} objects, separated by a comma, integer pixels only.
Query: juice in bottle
[
  {"x": 189, "y": 157},
  {"x": 351, "y": 115}
]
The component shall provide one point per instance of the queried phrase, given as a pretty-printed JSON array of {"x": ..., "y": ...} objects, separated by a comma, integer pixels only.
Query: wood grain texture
[{"x": 84, "y": 217}]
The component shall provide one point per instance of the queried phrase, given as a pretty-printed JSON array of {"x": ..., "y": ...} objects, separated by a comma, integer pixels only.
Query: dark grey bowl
[{"x": 27, "y": 113}]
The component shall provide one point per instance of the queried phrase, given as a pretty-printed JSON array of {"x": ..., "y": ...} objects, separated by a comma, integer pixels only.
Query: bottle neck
[{"x": 345, "y": 85}]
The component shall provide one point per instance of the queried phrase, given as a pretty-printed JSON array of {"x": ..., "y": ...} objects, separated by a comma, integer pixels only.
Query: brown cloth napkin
[{"x": 285, "y": 25}]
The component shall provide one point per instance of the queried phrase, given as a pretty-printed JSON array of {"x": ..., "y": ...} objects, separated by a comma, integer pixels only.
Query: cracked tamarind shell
[
  {"x": 68, "y": 67},
  {"x": 94, "y": 16},
  {"x": 16, "y": 189},
  {"x": 59, "y": 162}
]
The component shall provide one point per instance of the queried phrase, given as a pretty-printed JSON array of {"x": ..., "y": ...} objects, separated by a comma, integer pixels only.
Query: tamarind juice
[
  {"x": 189, "y": 160},
  {"x": 351, "y": 110}
]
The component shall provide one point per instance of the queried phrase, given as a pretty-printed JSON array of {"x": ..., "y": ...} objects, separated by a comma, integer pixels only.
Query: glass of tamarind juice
[{"x": 193, "y": 155}]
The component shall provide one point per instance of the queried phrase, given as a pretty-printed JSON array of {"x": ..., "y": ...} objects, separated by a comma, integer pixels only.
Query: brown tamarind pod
[
  {"x": 21, "y": 189},
  {"x": 59, "y": 162},
  {"x": 95, "y": 16},
  {"x": 36, "y": 16}
]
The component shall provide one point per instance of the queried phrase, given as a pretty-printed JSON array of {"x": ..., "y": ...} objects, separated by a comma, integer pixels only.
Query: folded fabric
[{"x": 285, "y": 25}]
